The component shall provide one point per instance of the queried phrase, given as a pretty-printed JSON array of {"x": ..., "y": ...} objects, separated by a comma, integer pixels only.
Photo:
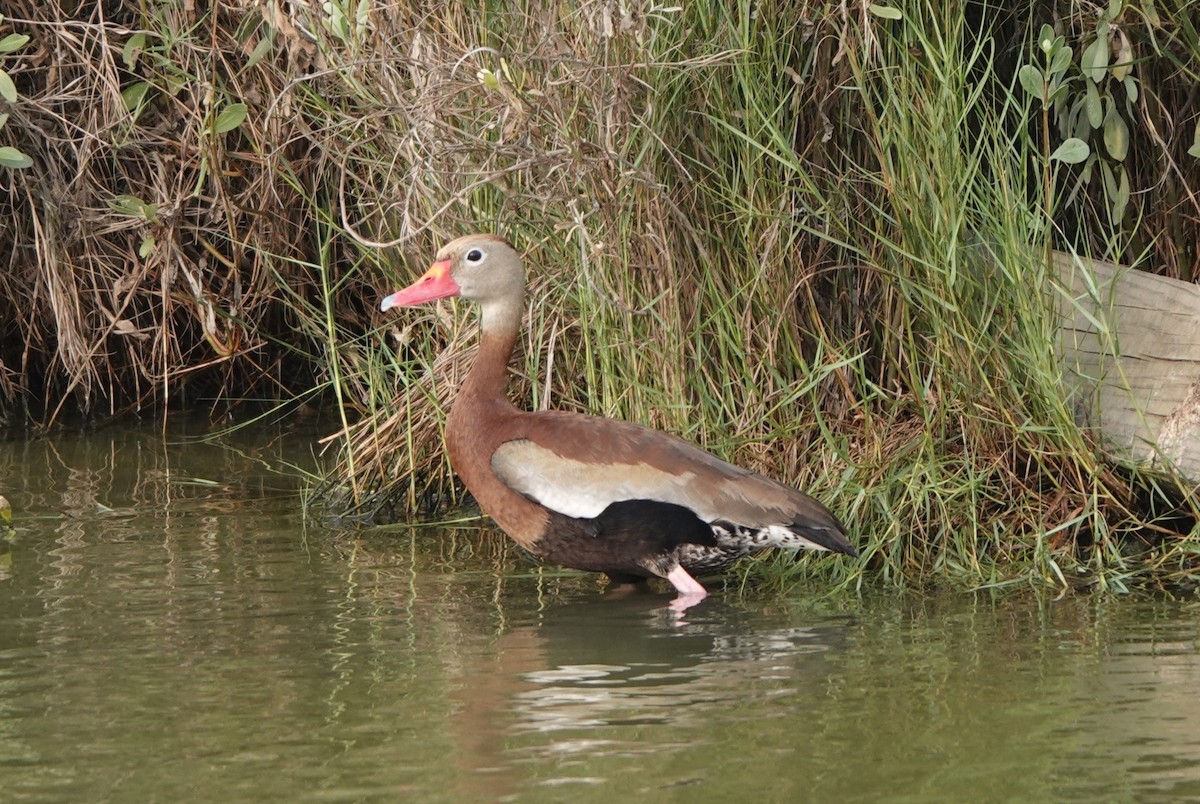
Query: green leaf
[
  {"x": 176, "y": 82},
  {"x": 1068, "y": 114},
  {"x": 1046, "y": 39},
  {"x": 1116, "y": 135},
  {"x": 1083, "y": 127},
  {"x": 8, "y": 90},
  {"x": 1058, "y": 92},
  {"x": 1032, "y": 80},
  {"x": 1061, "y": 60},
  {"x": 1085, "y": 176},
  {"x": 1068, "y": 118},
  {"x": 488, "y": 78},
  {"x": 13, "y": 43},
  {"x": 126, "y": 204},
  {"x": 337, "y": 20},
  {"x": 1120, "y": 200},
  {"x": 261, "y": 49},
  {"x": 1110, "y": 179},
  {"x": 12, "y": 158},
  {"x": 134, "y": 207},
  {"x": 134, "y": 95},
  {"x": 147, "y": 246},
  {"x": 1095, "y": 109},
  {"x": 1195, "y": 149},
  {"x": 230, "y": 118},
  {"x": 886, "y": 12},
  {"x": 133, "y": 47},
  {"x": 1131, "y": 88},
  {"x": 1151, "y": 13},
  {"x": 1071, "y": 152},
  {"x": 1094, "y": 62}
]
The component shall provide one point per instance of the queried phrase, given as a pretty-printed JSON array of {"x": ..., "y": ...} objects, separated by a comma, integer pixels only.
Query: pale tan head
[{"x": 482, "y": 268}]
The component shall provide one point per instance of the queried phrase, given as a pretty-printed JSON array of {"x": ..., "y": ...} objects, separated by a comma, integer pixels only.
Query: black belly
[{"x": 624, "y": 538}]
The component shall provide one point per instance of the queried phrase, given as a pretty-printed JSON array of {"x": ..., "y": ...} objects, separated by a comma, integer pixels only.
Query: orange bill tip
[{"x": 436, "y": 283}]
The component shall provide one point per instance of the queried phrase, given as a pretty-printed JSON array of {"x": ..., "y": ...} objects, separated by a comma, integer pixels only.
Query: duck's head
[{"x": 481, "y": 268}]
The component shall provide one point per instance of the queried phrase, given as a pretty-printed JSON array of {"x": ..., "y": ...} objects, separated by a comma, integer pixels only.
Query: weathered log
[{"x": 1130, "y": 346}]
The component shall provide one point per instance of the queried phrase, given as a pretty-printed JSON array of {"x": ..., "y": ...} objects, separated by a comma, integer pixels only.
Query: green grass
[
  {"x": 830, "y": 271},
  {"x": 810, "y": 238}
]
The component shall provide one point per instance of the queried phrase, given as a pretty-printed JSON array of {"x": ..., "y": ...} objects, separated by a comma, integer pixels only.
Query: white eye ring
[{"x": 475, "y": 256}]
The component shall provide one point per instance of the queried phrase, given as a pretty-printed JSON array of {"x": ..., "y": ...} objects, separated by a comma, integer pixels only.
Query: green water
[{"x": 173, "y": 629}]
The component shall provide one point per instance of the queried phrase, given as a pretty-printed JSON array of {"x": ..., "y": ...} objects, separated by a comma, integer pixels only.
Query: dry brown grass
[
  {"x": 745, "y": 224},
  {"x": 144, "y": 247},
  {"x": 542, "y": 130}
]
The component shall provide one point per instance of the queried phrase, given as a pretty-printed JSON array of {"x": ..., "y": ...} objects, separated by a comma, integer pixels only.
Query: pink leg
[{"x": 690, "y": 590}]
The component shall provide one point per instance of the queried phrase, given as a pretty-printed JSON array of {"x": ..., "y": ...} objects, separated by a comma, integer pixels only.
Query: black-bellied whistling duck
[{"x": 592, "y": 493}]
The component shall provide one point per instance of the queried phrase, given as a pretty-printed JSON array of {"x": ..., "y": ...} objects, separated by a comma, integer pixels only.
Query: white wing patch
[{"x": 583, "y": 490}]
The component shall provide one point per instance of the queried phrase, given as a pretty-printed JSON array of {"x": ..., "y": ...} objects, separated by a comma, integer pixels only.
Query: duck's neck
[
  {"x": 485, "y": 382},
  {"x": 481, "y": 419}
]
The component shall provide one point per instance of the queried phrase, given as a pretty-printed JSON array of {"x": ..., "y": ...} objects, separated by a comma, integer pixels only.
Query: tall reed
[
  {"x": 812, "y": 246},
  {"x": 807, "y": 236}
]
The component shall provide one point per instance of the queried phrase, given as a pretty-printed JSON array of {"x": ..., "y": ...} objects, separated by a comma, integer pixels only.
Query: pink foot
[{"x": 690, "y": 590}]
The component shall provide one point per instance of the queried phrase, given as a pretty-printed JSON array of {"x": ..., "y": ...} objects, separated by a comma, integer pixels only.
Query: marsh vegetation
[{"x": 814, "y": 238}]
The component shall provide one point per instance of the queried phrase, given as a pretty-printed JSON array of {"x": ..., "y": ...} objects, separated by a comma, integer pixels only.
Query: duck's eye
[{"x": 475, "y": 255}]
